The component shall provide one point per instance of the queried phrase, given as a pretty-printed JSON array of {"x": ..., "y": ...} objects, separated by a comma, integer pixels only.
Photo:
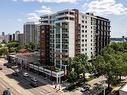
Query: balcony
[{"x": 64, "y": 15}]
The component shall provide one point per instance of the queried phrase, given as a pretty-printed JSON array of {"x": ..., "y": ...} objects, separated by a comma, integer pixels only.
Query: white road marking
[{"x": 3, "y": 85}]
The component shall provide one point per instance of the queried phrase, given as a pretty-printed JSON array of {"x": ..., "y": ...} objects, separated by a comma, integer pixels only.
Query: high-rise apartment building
[
  {"x": 102, "y": 33},
  {"x": 69, "y": 32},
  {"x": 30, "y": 32}
]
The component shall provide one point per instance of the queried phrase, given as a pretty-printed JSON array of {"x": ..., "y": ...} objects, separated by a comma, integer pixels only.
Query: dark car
[
  {"x": 6, "y": 92},
  {"x": 8, "y": 66},
  {"x": 5, "y": 64},
  {"x": 34, "y": 82},
  {"x": 15, "y": 74},
  {"x": 34, "y": 79},
  {"x": 1, "y": 68},
  {"x": 86, "y": 85}
]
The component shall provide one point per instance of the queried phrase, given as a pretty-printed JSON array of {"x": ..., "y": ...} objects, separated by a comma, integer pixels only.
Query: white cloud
[
  {"x": 105, "y": 7},
  {"x": 35, "y": 16},
  {"x": 44, "y": 10},
  {"x": 52, "y": 1}
]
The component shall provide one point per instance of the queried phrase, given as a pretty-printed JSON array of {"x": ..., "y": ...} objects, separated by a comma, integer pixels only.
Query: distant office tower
[
  {"x": 9, "y": 37},
  {"x": 69, "y": 32},
  {"x": 3, "y": 34},
  {"x": 2, "y": 37},
  {"x": 30, "y": 32},
  {"x": 21, "y": 38},
  {"x": 13, "y": 37},
  {"x": 16, "y": 35}
]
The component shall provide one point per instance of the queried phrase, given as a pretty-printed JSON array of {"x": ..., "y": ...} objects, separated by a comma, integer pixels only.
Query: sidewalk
[{"x": 96, "y": 80}]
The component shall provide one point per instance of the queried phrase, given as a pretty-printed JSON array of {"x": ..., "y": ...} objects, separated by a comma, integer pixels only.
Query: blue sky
[{"x": 16, "y": 12}]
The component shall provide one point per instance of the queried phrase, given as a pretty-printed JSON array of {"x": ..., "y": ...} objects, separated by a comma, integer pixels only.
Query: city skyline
[{"x": 16, "y": 12}]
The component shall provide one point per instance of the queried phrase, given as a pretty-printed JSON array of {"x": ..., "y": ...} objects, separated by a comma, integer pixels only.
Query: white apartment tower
[{"x": 67, "y": 33}]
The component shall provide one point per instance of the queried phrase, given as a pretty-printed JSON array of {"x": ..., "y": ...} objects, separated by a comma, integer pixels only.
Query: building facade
[
  {"x": 16, "y": 35},
  {"x": 21, "y": 38},
  {"x": 30, "y": 32},
  {"x": 72, "y": 32},
  {"x": 102, "y": 33}
]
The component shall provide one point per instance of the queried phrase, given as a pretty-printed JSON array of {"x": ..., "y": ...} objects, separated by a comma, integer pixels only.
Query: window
[
  {"x": 86, "y": 36},
  {"x": 85, "y": 31},
  {"x": 82, "y": 35},
  {"x": 82, "y": 49},
  {"x": 82, "y": 40},
  {"x": 85, "y": 49},
  {"x": 91, "y": 31},
  {"x": 85, "y": 21},
  {"x": 82, "y": 21},
  {"x": 91, "y": 44},
  {"x": 91, "y": 36},
  {"x": 91, "y": 27},
  {"x": 85, "y": 40},
  {"x": 82, "y": 26},
  {"x": 82, "y": 31},
  {"x": 57, "y": 35},
  {"x": 91, "y": 48},
  {"x": 91, "y": 40},
  {"x": 82, "y": 16},
  {"x": 85, "y": 26},
  {"x": 57, "y": 40},
  {"x": 86, "y": 45},
  {"x": 57, "y": 45},
  {"x": 82, "y": 45}
]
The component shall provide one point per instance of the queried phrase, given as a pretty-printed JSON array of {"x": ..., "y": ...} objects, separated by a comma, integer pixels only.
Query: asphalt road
[
  {"x": 43, "y": 89},
  {"x": 4, "y": 86}
]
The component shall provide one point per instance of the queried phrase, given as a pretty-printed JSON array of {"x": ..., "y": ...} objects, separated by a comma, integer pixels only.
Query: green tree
[
  {"x": 32, "y": 46},
  {"x": 111, "y": 63},
  {"x": 3, "y": 51},
  {"x": 78, "y": 66}
]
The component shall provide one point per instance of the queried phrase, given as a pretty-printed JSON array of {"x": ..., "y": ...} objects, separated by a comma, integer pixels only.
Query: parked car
[
  {"x": 17, "y": 70},
  {"x": 6, "y": 92},
  {"x": 34, "y": 82},
  {"x": 8, "y": 66},
  {"x": 84, "y": 89},
  {"x": 34, "y": 79},
  {"x": 1, "y": 68},
  {"x": 86, "y": 85},
  {"x": 5, "y": 64},
  {"x": 15, "y": 74},
  {"x": 25, "y": 74}
]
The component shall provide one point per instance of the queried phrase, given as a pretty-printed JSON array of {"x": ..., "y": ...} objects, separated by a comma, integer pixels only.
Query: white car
[{"x": 25, "y": 74}]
